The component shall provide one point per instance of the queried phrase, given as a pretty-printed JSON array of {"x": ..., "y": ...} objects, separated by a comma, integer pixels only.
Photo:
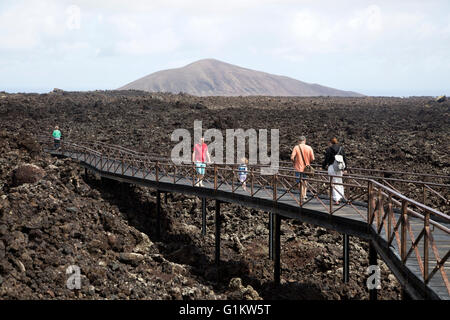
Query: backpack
[
  {"x": 308, "y": 168},
  {"x": 338, "y": 164}
]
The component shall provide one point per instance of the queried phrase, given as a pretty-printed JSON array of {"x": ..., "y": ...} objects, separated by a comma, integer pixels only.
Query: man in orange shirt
[{"x": 302, "y": 155}]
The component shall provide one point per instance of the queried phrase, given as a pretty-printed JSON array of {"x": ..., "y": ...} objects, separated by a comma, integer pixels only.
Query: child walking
[{"x": 243, "y": 172}]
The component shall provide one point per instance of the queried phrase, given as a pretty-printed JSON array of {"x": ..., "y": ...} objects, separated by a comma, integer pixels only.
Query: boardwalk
[{"x": 412, "y": 239}]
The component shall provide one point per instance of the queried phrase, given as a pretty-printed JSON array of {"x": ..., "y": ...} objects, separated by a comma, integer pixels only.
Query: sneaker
[{"x": 201, "y": 183}]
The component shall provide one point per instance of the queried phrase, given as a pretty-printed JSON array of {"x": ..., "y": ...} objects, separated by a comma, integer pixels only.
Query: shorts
[
  {"x": 200, "y": 167},
  {"x": 300, "y": 174}
]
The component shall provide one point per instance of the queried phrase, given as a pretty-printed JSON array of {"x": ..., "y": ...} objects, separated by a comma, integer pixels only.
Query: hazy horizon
[
  {"x": 43, "y": 91},
  {"x": 376, "y": 48}
]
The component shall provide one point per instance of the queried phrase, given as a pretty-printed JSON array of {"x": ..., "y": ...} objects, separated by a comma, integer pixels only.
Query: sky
[{"x": 379, "y": 48}]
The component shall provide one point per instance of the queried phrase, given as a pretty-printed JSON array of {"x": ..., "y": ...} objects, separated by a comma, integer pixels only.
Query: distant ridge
[{"x": 210, "y": 77}]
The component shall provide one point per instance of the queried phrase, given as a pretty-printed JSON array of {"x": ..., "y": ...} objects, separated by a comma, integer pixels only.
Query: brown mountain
[{"x": 210, "y": 77}]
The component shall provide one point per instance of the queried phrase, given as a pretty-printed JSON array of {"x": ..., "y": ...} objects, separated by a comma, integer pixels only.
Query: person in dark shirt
[{"x": 333, "y": 149}]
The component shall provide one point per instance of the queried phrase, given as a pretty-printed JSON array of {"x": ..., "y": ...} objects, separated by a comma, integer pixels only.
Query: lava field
[{"x": 53, "y": 216}]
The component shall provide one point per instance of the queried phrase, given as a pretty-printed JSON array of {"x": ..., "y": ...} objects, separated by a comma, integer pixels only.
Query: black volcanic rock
[
  {"x": 67, "y": 218},
  {"x": 27, "y": 173}
]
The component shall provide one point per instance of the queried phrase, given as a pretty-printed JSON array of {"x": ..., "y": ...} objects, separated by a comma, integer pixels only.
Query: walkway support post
[
  {"x": 215, "y": 176},
  {"x": 372, "y": 262},
  {"x": 273, "y": 226},
  {"x": 217, "y": 232},
  {"x": 346, "y": 254},
  {"x": 158, "y": 214},
  {"x": 277, "y": 249},
  {"x": 271, "y": 235},
  {"x": 203, "y": 216},
  {"x": 251, "y": 181}
]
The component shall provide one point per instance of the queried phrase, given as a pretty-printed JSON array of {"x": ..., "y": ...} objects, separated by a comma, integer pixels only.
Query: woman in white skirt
[{"x": 338, "y": 189}]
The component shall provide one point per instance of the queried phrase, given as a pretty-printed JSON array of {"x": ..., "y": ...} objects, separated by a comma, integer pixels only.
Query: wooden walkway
[{"x": 349, "y": 219}]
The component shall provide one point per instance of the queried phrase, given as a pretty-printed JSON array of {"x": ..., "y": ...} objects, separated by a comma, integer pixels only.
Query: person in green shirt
[{"x": 56, "y": 137}]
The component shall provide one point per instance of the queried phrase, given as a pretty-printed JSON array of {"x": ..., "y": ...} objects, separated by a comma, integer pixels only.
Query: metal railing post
[
  {"x": 369, "y": 202},
  {"x": 301, "y": 189},
  {"x": 331, "y": 195},
  {"x": 380, "y": 204},
  {"x": 426, "y": 246},
  {"x": 403, "y": 231},
  {"x": 389, "y": 217}
]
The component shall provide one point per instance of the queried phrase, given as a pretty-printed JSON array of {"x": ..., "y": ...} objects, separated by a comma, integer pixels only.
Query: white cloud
[
  {"x": 187, "y": 7},
  {"x": 371, "y": 28},
  {"x": 370, "y": 18},
  {"x": 211, "y": 32},
  {"x": 306, "y": 24},
  {"x": 20, "y": 27},
  {"x": 311, "y": 32},
  {"x": 151, "y": 43},
  {"x": 143, "y": 34},
  {"x": 320, "y": 32},
  {"x": 34, "y": 25},
  {"x": 73, "y": 21}
]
